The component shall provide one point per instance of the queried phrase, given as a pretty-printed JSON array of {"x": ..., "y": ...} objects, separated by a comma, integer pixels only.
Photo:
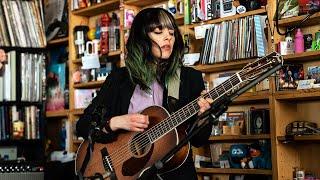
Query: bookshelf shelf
[
  {"x": 304, "y": 138},
  {"x": 60, "y": 113},
  {"x": 22, "y": 103},
  {"x": 253, "y": 97},
  {"x": 111, "y": 54},
  {"x": 93, "y": 84},
  {"x": 223, "y": 66},
  {"x": 298, "y": 95},
  {"x": 233, "y": 171},
  {"x": 24, "y": 49},
  {"x": 140, "y": 3},
  {"x": 58, "y": 41},
  {"x": 219, "y": 20},
  {"x": 97, "y": 9},
  {"x": 313, "y": 20},
  {"x": 239, "y": 137},
  {"x": 306, "y": 56},
  {"x": 77, "y": 111},
  {"x": 20, "y": 141},
  {"x": 179, "y": 19}
]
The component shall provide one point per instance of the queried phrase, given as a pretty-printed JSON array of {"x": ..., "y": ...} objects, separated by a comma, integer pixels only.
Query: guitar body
[{"x": 129, "y": 160}]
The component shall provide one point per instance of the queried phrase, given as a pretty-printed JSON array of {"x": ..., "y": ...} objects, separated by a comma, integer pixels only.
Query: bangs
[{"x": 161, "y": 22}]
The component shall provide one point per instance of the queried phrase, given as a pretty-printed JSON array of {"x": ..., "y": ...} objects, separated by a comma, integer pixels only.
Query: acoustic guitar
[{"x": 133, "y": 153}]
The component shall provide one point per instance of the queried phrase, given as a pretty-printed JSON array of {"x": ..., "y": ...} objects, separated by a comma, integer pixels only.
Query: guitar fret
[
  {"x": 223, "y": 87},
  {"x": 184, "y": 113},
  {"x": 230, "y": 82},
  {"x": 221, "y": 91},
  {"x": 215, "y": 89}
]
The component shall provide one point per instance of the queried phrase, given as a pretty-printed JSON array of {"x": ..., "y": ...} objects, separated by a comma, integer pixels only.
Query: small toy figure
[{"x": 3, "y": 58}]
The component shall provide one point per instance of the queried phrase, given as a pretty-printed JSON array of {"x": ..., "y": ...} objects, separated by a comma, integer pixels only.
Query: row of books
[
  {"x": 19, "y": 122},
  {"x": 237, "y": 39},
  {"x": 31, "y": 77},
  {"x": 21, "y": 23}
]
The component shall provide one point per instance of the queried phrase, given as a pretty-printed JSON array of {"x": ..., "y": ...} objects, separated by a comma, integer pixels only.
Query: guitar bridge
[{"x": 107, "y": 164}]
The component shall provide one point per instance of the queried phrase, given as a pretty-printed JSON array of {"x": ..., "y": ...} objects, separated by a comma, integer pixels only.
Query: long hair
[{"x": 143, "y": 67}]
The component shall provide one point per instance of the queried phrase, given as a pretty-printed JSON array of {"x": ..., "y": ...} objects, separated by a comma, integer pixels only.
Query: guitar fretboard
[{"x": 191, "y": 109}]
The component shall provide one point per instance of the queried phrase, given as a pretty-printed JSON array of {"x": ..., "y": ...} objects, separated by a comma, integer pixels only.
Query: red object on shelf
[{"x": 104, "y": 36}]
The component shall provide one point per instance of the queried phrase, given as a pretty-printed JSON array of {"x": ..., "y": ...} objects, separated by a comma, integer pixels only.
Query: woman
[{"x": 153, "y": 74}]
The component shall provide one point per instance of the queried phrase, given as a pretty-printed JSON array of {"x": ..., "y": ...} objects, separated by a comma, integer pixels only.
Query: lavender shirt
[{"x": 142, "y": 99}]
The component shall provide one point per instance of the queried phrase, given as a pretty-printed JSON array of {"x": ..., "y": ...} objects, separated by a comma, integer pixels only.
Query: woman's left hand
[{"x": 204, "y": 103}]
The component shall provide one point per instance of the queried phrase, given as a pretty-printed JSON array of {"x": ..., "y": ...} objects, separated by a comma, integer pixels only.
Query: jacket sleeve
[
  {"x": 99, "y": 105},
  {"x": 196, "y": 88}
]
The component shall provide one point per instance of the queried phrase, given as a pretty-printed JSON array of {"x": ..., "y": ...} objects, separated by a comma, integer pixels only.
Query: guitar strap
[{"x": 174, "y": 85}]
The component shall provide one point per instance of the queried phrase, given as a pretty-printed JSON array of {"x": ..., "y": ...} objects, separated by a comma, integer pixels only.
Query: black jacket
[{"x": 115, "y": 95}]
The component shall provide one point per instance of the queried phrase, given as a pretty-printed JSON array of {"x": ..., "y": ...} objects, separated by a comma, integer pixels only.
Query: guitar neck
[{"x": 183, "y": 114}]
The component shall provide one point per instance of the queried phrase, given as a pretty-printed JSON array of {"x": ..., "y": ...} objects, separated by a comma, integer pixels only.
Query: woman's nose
[{"x": 167, "y": 35}]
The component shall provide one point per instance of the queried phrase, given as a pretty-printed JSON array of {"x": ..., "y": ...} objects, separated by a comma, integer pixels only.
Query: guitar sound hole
[{"x": 139, "y": 145}]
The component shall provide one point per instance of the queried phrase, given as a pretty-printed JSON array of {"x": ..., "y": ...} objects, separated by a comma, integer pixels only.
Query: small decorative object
[
  {"x": 241, "y": 9},
  {"x": 290, "y": 45},
  {"x": 171, "y": 7},
  {"x": 3, "y": 58},
  {"x": 91, "y": 34},
  {"x": 316, "y": 41},
  {"x": 307, "y": 42},
  {"x": 76, "y": 77},
  {"x": 18, "y": 129},
  {"x": 104, "y": 37},
  {"x": 80, "y": 37},
  {"x": 227, "y": 8},
  {"x": 298, "y": 42}
]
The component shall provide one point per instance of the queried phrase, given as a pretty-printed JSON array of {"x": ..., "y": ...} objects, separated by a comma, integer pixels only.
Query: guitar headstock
[{"x": 255, "y": 69}]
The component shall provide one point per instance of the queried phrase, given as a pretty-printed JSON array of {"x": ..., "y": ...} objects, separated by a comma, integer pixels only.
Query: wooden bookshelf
[
  {"x": 298, "y": 95},
  {"x": 77, "y": 112},
  {"x": 233, "y": 171},
  {"x": 58, "y": 41},
  {"x": 253, "y": 97},
  {"x": 140, "y": 3},
  {"x": 60, "y": 113},
  {"x": 293, "y": 21},
  {"x": 92, "y": 84},
  {"x": 219, "y": 20},
  {"x": 305, "y": 56},
  {"x": 110, "y": 54},
  {"x": 97, "y": 9},
  {"x": 303, "y": 138},
  {"x": 239, "y": 137},
  {"x": 223, "y": 66}
]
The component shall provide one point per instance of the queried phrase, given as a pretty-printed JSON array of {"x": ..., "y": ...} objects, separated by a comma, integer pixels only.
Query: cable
[{"x": 313, "y": 9}]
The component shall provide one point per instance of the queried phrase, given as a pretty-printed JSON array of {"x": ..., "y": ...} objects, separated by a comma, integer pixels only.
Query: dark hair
[{"x": 143, "y": 67}]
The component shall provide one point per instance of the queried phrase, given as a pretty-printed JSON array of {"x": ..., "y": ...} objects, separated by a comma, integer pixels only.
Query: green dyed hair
[{"x": 140, "y": 62}]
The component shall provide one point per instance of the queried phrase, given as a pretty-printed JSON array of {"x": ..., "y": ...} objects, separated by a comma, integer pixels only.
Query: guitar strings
[{"x": 115, "y": 155}]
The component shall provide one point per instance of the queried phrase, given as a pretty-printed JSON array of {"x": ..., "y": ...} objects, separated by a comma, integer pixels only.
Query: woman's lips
[{"x": 166, "y": 47}]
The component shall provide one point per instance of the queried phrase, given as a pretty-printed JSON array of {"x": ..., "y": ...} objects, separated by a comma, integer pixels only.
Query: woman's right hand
[{"x": 129, "y": 122}]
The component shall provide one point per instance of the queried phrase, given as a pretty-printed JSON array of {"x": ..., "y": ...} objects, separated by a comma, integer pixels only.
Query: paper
[{"x": 90, "y": 62}]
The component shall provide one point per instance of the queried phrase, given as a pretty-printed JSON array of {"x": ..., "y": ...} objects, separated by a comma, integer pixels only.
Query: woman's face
[{"x": 162, "y": 42}]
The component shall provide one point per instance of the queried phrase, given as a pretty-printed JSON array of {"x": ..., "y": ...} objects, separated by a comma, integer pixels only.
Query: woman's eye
[{"x": 157, "y": 32}]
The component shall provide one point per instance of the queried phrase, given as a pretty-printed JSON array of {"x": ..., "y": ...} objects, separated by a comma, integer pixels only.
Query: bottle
[{"x": 299, "y": 42}]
